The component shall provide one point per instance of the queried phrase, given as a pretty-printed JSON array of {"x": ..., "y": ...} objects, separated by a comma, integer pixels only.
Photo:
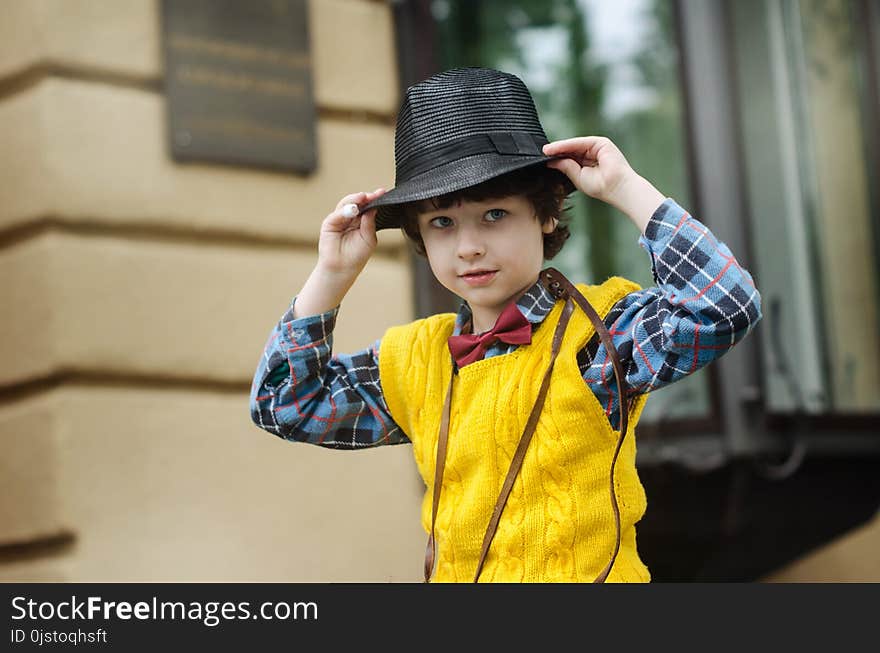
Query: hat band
[{"x": 500, "y": 143}]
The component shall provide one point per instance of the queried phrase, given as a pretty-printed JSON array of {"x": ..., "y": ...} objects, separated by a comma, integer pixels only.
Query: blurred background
[{"x": 167, "y": 165}]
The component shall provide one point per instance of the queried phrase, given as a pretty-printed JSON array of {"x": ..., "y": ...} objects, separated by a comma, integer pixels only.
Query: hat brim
[{"x": 448, "y": 178}]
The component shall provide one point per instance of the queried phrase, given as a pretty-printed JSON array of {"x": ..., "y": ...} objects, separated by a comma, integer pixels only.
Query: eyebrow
[{"x": 489, "y": 204}]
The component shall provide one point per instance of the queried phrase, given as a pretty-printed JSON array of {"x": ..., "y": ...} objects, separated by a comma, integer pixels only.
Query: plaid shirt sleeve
[
  {"x": 703, "y": 303},
  {"x": 301, "y": 392}
]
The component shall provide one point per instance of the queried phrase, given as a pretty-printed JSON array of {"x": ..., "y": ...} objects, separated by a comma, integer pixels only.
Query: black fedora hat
[{"x": 459, "y": 128}]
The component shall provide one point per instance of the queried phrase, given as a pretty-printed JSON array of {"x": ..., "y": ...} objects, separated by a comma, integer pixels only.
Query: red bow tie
[{"x": 511, "y": 327}]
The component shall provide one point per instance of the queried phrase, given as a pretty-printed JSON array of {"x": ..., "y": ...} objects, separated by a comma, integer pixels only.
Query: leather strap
[
  {"x": 520, "y": 453},
  {"x": 438, "y": 475},
  {"x": 560, "y": 288}
]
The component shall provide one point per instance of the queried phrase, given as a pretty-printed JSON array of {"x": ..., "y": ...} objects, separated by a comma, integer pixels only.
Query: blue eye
[
  {"x": 442, "y": 217},
  {"x": 496, "y": 214}
]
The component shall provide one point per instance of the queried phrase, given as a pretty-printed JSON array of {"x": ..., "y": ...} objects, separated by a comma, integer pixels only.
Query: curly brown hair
[{"x": 542, "y": 186}]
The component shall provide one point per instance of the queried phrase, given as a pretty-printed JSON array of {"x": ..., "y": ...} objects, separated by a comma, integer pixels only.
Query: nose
[{"x": 470, "y": 242}]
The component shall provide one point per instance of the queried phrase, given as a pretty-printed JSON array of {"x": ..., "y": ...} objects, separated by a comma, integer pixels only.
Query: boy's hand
[
  {"x": 593, "y": 163},
  {"x": 346, "y": 242},
  {"x": 596, "y": 167}
]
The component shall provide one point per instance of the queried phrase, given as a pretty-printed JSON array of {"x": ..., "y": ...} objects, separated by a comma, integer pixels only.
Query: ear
[{"x": 550, "y": 226}]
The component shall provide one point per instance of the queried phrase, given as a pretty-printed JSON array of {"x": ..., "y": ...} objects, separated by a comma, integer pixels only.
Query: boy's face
[{"x": 503, "y": 237}]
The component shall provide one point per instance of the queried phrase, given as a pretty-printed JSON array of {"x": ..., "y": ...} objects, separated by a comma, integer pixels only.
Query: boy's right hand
[{"x": 346, "y": 243}]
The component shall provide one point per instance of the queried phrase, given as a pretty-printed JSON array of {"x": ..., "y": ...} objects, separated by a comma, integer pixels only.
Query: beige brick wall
[
  {"x": 177, "y": 485},
  {"x": 30, "y": 501},
  {"x": 89, "y": 152},
  {"x": 167, "y": 308},
  {"x": 137, "y": 295},
  {"x": 112, "y": 36},
  {"x": 352, "y": 45}
]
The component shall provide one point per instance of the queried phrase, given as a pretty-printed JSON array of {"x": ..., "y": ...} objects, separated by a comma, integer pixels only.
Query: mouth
[
  {"x": 478, "y": 271},
  {"x": 479, "y": 277}
]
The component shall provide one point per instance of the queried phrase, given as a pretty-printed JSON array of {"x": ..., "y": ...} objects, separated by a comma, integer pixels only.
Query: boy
[{"x": 513, "y": 406}]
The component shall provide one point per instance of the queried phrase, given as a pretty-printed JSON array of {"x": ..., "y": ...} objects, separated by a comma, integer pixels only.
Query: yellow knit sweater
[{"x": 558, "y": 523}]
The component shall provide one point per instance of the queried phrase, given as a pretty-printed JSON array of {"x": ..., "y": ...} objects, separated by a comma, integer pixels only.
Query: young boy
[{"x": 513, "y": 405}]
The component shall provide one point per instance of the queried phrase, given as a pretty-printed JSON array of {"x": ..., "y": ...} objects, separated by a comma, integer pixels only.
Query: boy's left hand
[{"x": 593, "y": 163}]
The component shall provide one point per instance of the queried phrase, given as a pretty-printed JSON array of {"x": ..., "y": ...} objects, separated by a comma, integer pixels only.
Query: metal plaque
[{"x": 238, "y": 82}]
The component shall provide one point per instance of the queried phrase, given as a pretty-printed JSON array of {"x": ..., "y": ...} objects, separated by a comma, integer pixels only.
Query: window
[{"x": 808, "y": 122}]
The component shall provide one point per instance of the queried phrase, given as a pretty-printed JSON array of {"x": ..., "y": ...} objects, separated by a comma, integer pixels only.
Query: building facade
[{"x": 137, "y": 293}]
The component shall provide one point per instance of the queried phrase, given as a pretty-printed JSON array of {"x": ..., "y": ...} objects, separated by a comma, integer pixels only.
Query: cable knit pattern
[{"x": 558, "y": 523}]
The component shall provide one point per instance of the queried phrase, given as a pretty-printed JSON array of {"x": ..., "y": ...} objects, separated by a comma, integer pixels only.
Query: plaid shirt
[{"x": 702, "y": 305}]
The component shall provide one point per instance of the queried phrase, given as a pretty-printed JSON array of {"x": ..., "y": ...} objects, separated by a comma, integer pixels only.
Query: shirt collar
[{"x": 535, "y": 304}]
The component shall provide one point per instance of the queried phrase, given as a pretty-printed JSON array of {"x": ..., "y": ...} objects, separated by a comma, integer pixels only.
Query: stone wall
[{"x": 137, "y": 294}]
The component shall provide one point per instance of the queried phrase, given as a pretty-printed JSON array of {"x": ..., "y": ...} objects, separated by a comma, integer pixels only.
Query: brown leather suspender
[
  {"x": 560, "y": 288},
  {"x": 520, "y": 453},
  {"x": 438, "y": 478}
]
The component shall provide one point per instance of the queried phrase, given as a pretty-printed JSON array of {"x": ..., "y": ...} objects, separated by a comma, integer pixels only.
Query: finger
[
  {"x": 357, "y": 199},
  {"x": 568, "y": 167},
  {"x": 368, "y": 226},
  {"x": 374, "y": 195},
  {"x": 578, "y": 142},
  {"x": 574, "y": 146},
  {"x": 353, "y": 210},
  {"x": 336, "y": 223},
  {"x": 353, "y": 198},
  {"x": 342, "y": 219}
]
